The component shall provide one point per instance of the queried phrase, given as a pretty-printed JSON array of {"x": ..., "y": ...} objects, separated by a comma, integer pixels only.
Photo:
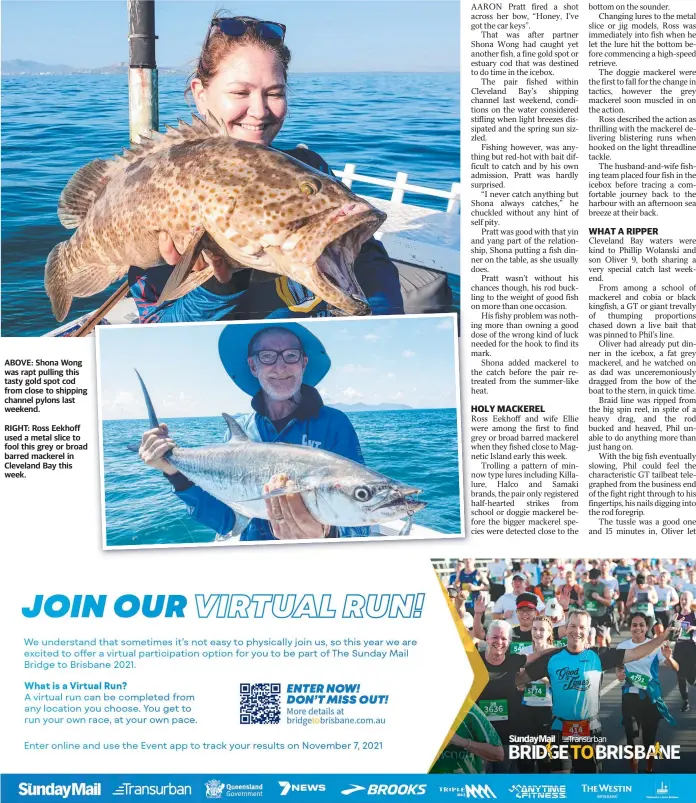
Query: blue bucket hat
[{"x": 233, "y": 347}]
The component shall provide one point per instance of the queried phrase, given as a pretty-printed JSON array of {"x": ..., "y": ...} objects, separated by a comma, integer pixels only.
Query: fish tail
[
  {"x": 151, "y": 414},
  {"x": 56, "y": 281}
]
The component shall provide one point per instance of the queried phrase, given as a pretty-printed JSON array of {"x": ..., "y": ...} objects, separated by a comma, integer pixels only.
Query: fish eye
[
  {"x": 310, "y": 186},
  {"x": 362, "y": 494}
]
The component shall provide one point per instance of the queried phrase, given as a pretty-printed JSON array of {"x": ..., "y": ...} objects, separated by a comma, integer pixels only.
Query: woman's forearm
[{"x": 490, "y": 752}]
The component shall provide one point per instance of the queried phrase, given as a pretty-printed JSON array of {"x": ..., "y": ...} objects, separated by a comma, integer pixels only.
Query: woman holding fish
[{"x": 213, "y": 200}]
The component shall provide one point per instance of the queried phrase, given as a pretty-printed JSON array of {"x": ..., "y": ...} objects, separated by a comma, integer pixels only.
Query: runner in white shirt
[
  {"x": 667, "y": 598},
  {"x": 497, "y": 572},
  {"x": 642, "y": 706},
  {"x": 537, "y": 700}
]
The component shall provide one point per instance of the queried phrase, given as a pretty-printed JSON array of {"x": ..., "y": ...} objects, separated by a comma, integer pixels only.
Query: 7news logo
[{"x": 287, "y": 787}]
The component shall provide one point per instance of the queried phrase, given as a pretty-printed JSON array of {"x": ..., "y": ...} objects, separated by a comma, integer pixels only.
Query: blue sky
[
  {"x": 323, "y": 35},
  {"x": 376, "y": 360}
]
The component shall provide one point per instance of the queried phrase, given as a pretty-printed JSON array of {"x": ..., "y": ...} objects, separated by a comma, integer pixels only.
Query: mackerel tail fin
[{"x": 151, "y": 414}]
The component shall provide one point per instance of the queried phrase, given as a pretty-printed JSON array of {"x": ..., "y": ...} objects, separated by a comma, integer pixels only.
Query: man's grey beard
[{"x": 293, "y": 395}]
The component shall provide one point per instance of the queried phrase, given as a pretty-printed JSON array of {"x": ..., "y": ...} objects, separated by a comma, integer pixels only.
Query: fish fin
[
  {"x": 56, "y": 282},
  {"x": 82, "y": 191},
  {"x": 183, "y": 268},
  {"x": 148, "y": 403},
  {"x": 406, "y": 529},
  {"x": 240, "y": 524},
  {"x": 236, "y": 432},
  {"x": 197, "y": 130}
]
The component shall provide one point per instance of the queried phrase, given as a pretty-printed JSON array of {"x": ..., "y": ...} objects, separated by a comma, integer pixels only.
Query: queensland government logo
[
  {"x": 539, "y": 791},
  {"x": 214, "y": 789}
]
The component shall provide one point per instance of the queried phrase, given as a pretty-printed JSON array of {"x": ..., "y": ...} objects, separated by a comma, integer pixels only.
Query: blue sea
[
  {"x": 52, "y": 125},
  {"x": 418, "y": 447}
]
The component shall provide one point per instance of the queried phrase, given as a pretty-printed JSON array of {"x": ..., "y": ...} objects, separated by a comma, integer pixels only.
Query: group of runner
[{"x": 544, "y": 633}]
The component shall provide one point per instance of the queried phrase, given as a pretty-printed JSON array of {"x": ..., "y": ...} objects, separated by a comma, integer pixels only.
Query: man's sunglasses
[
  {"x": 270, "y": 356},
  {"x": 238, "y": 26}
]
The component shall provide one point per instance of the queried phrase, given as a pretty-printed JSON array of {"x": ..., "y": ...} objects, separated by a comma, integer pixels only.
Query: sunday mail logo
[{"x": 74, "y": 789}]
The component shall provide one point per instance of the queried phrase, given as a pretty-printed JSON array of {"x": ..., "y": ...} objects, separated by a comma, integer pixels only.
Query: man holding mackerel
[{"x": 291, "y": 469}]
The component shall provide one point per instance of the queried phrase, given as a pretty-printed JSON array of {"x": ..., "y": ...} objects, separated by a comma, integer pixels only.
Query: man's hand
[
  {"x": 621, "y": 673},
  {"x": 154, "y": 445},
  {"x": 171, "y": 255},
  {"x": 288, "y": 515}
]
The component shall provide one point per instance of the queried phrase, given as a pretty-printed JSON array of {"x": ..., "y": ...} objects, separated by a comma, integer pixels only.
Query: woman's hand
[
  {"x": 171, "y": 255},
  {"x": 288, "y": 515},
  {"x": 481, "y": 604},
  {"x": 621, "y": 674},
  {"x": 154, "y": 445},
  {"x": 666, "y": 650}
]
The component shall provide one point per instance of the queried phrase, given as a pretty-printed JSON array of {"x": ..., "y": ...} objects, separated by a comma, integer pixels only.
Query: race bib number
[
  {"x": 576, "y": 727},
  {"x": 516, "y": 646},
  {"x": 644, "y": 607},
  {"x": 591, "y": 605},
  {"x": 495, "y": 710},
  {"x": 641, "y": 681},
  {"x": 684, "y": 636},
  {"x": 561, "y": 642},
  {"x": 535, "y": 691}
]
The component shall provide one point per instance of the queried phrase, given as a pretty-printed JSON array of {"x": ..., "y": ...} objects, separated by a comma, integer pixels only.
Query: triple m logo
[{"x": 286, "y": 787}]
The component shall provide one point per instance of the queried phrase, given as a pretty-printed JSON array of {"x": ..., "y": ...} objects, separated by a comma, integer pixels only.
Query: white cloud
[
  {"x": 397, "y": 396},
  {"x": 179, "y": 402},
  {"x": 326, "y": 394},
  {"x": 446, "y": 324},
  {"x": 408, "y": 353},
  {"x": 351, "y": 394},
  {"x": 391, "y": 376},
  {"x": 357, "y": 368},
  {"x": 124, "y": 399},
  {"x": 371, "y": 337}
]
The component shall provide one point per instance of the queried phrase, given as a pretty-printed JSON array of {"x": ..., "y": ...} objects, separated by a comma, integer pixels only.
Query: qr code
[{"x": 259, "y": 703}]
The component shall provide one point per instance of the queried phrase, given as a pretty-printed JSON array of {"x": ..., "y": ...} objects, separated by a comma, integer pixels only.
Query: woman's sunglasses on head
[{"x": 238, "y": 26}]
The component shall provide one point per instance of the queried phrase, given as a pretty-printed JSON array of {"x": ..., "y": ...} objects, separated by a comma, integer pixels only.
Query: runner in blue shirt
[{"x": 575, "y": 675}]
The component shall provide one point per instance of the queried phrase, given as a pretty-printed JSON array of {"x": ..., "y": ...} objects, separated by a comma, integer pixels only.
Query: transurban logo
[
  {"x": 59, "y": 790},
  {"x": 286, "y": 786},
  {"x": 168, "y": 789},
  {"x": 396, "y": 789}
]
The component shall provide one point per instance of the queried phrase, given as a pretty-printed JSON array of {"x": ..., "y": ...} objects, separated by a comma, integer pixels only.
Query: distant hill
[
  {"x": 369, "y": 408},
  {"x": 22, "y": 67}
]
